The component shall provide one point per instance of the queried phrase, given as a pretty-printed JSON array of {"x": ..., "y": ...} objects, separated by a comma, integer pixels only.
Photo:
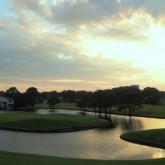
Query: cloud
[
  {"x": 45, "y": 42},
  {"x": 154, "y": 8},
  {"x": 121, "y": 20},
  {"x": 38, "y": 7},
  {"x": 78, "y": 12},
  {"x": 45, "y": 58},
  {"x": 94, "y": 11}
]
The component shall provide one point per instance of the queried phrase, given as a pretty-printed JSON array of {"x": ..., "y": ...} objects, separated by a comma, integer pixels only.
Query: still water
[{"x": 90, "y": 144}]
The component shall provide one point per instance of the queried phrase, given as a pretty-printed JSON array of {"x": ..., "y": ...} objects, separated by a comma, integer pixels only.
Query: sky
[{"x": 82, "y": 44}]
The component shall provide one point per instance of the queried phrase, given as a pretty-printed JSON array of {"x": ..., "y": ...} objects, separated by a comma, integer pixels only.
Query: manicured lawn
[
  {"x": 156, "y": 111},
  {"x": 30, "y": 120},
  {"x": 7, "y": 158},
  {"x": 153, "y": 111},
  {"x": 41, "y": 106},
  {"x": 60, "y": 106},
  {"x": 154, "y": 137}
]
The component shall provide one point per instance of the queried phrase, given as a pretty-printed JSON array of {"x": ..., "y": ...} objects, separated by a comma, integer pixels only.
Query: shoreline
[
  {"x": 134, "y": 138},
  {"x": 142, "y": 142},
  {"x": 57, "y": 130}
]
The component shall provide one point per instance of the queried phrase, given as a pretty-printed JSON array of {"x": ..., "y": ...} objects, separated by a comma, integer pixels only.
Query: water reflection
[
  {"x": 129, "y": 123},
  {"x": 159, "y": 154},
  {"x": 125, "y": 124},
  {"x": 90, "y": 144},
  {"x": 48, "y": 111}
]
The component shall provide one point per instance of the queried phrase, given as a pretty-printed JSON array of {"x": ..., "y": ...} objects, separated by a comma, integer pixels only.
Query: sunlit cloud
[{"x": 82, "y": 44}]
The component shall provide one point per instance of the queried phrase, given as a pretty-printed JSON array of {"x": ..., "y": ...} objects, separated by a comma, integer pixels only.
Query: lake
[{"x": 89, "y": 144}]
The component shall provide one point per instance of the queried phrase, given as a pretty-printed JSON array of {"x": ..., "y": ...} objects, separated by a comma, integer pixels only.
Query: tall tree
[
  {"x": 110, "y": 100},
  {"x": 12, "y": 93},
  {"x": 151, "y": 95},
  {"x": 98, "y": 101},
  {"x": 21, "y": 101},
  {"x": 131, "y": 102},
  {"x": 68, "y": 96},
  {"x": 83, "y": 102},
  {"x": 53, "y": 100},
  {"x": 31, "y": 96}
]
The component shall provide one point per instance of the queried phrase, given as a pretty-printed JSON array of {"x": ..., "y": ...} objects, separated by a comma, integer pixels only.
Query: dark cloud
[
  {"x": 87, "y": 12},
  {"x": 44, "y": 41},
  {"x": 96, "y": 11},
  {"x": 83, "y": 12},
  {"x": 153, "y": 7},
  {"x": 33, "y": 7},
  {"x": 71, "y": 15}
]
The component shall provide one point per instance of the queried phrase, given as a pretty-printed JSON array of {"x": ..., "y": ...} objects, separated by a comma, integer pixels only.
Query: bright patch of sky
[
  {"x": 5, "y": 9},
  {"x": 115, "y": 42}
]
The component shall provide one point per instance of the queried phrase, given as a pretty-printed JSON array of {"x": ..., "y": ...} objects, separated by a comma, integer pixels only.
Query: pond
[{"x": 89, "y": 144}]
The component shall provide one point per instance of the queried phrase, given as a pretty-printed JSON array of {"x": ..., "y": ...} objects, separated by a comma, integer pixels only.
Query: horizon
[
  {"x": 22, "y": 91},
  {"x": 82, "y": 44}
]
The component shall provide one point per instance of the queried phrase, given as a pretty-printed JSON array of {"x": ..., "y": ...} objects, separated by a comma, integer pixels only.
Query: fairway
[
  {"x": 58, "y": 106},
  {"x": 153, "y": 111},
  {"x": 8, "y": 158},
  {"x": 154, "y": 137},
  {"x": 29, "y": 121}
]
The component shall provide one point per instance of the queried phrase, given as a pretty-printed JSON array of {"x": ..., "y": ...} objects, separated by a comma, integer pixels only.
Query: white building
[{"x": 6, "y": 103}]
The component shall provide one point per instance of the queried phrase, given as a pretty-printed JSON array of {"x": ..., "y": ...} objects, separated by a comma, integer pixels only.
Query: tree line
[{"x": 124, "y": 98}]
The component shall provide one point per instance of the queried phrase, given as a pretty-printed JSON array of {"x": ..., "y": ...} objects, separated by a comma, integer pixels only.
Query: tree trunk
[
  {"x": 99, "y": 112},
  {"x": 95, "y": 111},
  {"x": 130, "y": 111},
  {"x": 106, "y": 112}
]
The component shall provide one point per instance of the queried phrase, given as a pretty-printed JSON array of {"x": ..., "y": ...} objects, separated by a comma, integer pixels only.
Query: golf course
[
  {"x": 29, "y": 121},
  {"x": 33, "y": 122}
]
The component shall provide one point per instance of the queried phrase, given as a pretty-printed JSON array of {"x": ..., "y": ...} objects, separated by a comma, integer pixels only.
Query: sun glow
[
  {"x": 92, "y": 47},
  {"x": 157, "y": 36},
  {"x": 151, "y": 50},
  {"x": 155, "y": 49}
]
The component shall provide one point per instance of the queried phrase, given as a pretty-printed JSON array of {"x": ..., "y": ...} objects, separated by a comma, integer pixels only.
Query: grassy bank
[
  {"x": 30, "y": 120},
  {"x": 154, "y": 137},
  {"x": 60, "y": 106},
  {"x": 7, "y": 158},
  {"x": 155, "y": 111}
]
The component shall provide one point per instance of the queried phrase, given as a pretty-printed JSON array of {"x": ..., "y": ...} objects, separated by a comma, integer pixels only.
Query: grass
[
  {"x": 155, "y": 111},
  {"x": 58, "y": 106},
  {"x": 8, "y": 158},
  {"x": 154, "y": 137},
  {"x": 30, "y": 120}
]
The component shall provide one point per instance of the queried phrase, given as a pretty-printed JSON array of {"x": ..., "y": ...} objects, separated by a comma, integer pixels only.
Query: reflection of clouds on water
[
  {"x": 89, "y": 144},
  {"x": 50, "y": 111},
  {"x": 159, "y": 154}
]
